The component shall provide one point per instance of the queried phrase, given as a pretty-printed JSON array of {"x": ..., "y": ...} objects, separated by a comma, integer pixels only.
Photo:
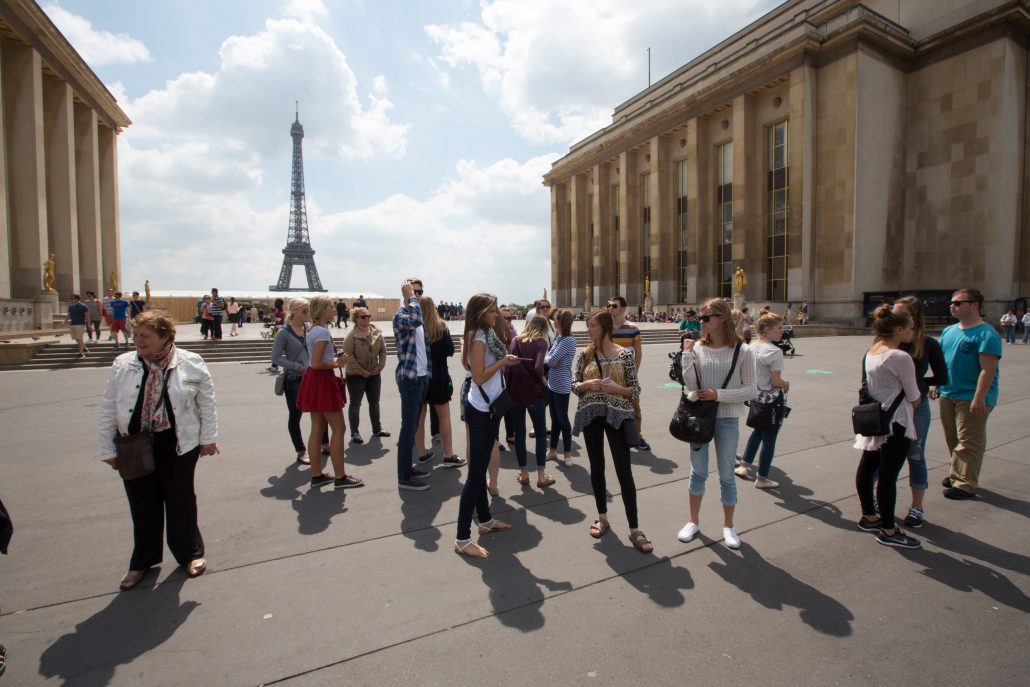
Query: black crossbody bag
[
  {"x": 869, "y": 418},
  {"x": 694, "y": 421}
]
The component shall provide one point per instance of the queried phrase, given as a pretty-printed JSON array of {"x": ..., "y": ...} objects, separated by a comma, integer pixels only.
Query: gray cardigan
[{"x": 290, "y": 351}]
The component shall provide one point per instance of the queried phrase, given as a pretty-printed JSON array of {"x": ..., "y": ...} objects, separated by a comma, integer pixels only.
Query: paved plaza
[{"x": 362, "y": 587}]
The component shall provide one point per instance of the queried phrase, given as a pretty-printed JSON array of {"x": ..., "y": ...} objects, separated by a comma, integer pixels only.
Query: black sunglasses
[
  {"x": 706, "y": 318},
  {"x": 418, "y": 292},
  {"x": 364, "y": 317},
  {"x": 955, "y": 304},
  {"x": 509, "y": 318},
  {"x": 613, "y": 305}
]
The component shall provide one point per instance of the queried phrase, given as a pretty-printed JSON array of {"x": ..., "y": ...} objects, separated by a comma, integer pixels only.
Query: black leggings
[
  {"x": 887, "y": 461},
  {"x": 593, "y": 437}
]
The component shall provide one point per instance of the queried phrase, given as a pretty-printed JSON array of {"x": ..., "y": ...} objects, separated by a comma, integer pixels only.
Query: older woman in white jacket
[{"x": 169, "y": 392}]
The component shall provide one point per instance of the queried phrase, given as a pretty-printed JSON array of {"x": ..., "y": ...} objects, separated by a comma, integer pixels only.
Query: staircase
[{"x": 64, "y": 356}]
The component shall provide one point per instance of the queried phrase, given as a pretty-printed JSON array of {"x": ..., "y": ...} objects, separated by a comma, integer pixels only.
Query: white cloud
[
  {"x": 306, "y": 10},
  {"x": 558, "y": 68},
  {"x": 96, "y": 47}
]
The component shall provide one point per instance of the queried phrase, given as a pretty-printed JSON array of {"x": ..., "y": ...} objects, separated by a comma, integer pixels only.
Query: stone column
[
  {"x": 87, "y": 192},
  {"x": 632, "y": 286},
  {"x": 62, "y": 217},
  {"x": 579, "y": 259},
  {"x": 748, "y": 246},
  {"x": 664, "y": 229},
  {"x": 700, "y": 206},
  {"x": 26, "y": 172},
  {"x": 5, "y": 245},
  {"x": 109, "y": 231},
  {"x": 603, "y": 256},
  {"x": 801, "y": 197},
  {"x": 559, "y": 244}
]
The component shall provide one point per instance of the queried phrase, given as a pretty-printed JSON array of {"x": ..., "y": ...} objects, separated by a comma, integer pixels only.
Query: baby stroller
[{"x": 785, "y": 344}]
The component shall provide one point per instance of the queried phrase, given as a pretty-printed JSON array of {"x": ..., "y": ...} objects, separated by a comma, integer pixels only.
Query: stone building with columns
[
  {"x": 834, "y": 149},
  {"x": 58, "y": 169}
]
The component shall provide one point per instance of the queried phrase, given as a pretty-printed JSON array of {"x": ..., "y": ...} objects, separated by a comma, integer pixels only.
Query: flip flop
[{"x": 599, "y": 527}]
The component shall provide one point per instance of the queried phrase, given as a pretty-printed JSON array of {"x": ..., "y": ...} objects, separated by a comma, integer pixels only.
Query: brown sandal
[
  {"x": 599, "y": 527},
  {"x": 546, "y": 481},
  {"x": 640, "y": 542},
  {"x": 523, "y": 480}
]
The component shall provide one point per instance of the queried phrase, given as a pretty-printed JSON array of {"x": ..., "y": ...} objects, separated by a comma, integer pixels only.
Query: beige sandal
[
  {"x": 462, "y": 547},
  {"x": 493, "y": 525}
]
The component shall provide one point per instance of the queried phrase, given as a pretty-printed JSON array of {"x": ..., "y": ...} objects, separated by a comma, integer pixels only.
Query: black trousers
[
  {"x": 359, "y": 387},
  {"x": 593, "y": 436},
  {"x": 166, "y": 491},
  {"x": 887, "y": 462}
]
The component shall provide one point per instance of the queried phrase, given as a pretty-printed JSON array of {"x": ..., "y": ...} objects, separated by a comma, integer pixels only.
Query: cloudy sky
[{"x": 428, "y": 126}]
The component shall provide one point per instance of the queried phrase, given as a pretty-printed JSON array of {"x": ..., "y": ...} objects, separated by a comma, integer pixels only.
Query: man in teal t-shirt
[{"x": 972, "y": 349}]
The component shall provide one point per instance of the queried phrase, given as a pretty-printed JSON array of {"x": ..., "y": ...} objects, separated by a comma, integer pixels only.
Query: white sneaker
[
  {"x": 729, "y": 535},
  {"x": 568, "y": 461},
  {"x": 766, "y": 483},
  {"x": 689, "y": 531},
  {"x": 742, "y": 471}
]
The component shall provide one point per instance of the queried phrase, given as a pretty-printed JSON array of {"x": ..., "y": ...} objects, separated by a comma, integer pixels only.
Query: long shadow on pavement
[
  {"x": 661, "y": 581},
  {"x": 1004, "y": 502},
  {"x": 134, "y": 623},
  {"x": 792, "y": 497},
  {"x": 775, "y": 588},
  {"x": 967, "y": 576},
  {"x": 965, "y": 545},
  {"x": 364, "y": 454},
  {"x": 316, "y": 508},
  {"x": 420, "y": 508},
  {"x": 516, "y": 594}
]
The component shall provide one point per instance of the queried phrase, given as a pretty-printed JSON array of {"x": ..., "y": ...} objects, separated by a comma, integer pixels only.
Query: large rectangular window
[
  {"x": 681, "y": 224},
  {"x": 615, "y": 236},
  {"x": 776, "y": 226},
  {"x": 724, "y": 219},
  {"x": 645, "y": 224}
]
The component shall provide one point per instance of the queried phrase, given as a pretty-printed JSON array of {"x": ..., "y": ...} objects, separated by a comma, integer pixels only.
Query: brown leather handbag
[{"x": 134, "y": 455}]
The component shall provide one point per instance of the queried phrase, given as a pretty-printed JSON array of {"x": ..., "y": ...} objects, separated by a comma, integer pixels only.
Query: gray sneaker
[
  {"x": 899, "y": 539},
  {"x": 420, "y": 474},
  {"x": 914, "y": 519},
  {"x": 321, "y": 480},
  {"x": 453, "y": 462},
  {"x": 412, "y": 485}
]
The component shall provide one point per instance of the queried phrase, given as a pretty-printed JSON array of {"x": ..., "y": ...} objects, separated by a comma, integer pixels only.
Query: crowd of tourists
[{"x": 158, "y": 414}]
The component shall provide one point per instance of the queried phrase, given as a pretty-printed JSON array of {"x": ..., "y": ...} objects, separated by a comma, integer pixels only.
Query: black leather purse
[
  {"x": 694, "y": 421},
  {"x": 868, "y": 418}
]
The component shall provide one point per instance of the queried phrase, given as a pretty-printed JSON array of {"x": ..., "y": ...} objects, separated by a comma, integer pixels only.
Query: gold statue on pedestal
[
  {"x": 49, "y": 274},
  {"x": 647, "y": 286},
  {"x": 114, "y": 280},
  {"x": 588, "y": 296},
  {"x": 739, "y": 280}
]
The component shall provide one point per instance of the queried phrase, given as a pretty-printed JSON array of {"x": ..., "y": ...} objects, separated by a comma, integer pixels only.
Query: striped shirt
[
  {"x": 216, "y": 306},
  {"x": 559, "y": 360},
  {"x": 627, "y": 336}
]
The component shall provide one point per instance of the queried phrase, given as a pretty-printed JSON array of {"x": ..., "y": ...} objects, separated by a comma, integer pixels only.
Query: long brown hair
[
  {"x": 914, "y": 306},
  {"x": 607, "y": 324},
  {"x": 563, "y": 318},
  {"x": 475, "y": 312},
  {"x": 718, "y": 306},
  {"x": 502, "y": 328},
  {"x": 434, "y": 326}
]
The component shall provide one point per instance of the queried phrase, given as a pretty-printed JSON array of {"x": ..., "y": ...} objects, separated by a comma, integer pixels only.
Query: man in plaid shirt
[{"x": 413, "y": 369}]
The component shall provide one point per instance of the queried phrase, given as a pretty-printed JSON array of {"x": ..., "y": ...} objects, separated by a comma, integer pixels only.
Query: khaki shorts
[{"x": 77, "y": 331}]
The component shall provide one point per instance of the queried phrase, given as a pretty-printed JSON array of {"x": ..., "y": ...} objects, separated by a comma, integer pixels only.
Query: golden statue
[
  {"x": 146, "y": 288},
  {"x": 587, "y": 295},
  {"x": 49, "y": 274},
  {"x": 647, "y": 286},
  {"x": 114, "y": 280},
  {"x": 545, "y": 295},
  {"x": 739, "y": 280}
]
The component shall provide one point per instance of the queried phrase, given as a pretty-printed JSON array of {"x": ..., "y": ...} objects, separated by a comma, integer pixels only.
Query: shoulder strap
[{"x": 733, "y": 365}]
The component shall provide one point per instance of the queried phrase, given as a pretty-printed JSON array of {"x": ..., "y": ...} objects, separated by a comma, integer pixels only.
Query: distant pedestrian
[
  {"x": 78, "y": 317},
  {"x": 95, "y": 315},
  {"x": 206, "y": 318},
  {"x": 108, "y": 315},
  {"x": 772, "y": 388},
  {"x": 216, "y": 307},
  {"x": 341, "y": 313},
  {"x": 528, "y": 390},
  {"x": 1026, "y": 327},
  {"x": 290, "y": 351},
  {"x": 891, "y": 380},
  {"x": 232, "y": 309},
  {"x": 972, "y": 350},
  {"x": 360, "y": 303},
  {"x": 1008, "y": 325},
  {"x": 136, "y": 306},
  {"x": 119, "y": 313}
]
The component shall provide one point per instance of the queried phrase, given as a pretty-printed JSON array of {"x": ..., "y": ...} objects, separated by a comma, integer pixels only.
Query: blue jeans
[
  {"x": 917, "y": 477},
  {"x": 536, "y": 414},
  {"x": 559, "y": 405},
  {"x": 1010, "y": 333},
  {"x": 727, "y": 433},
  {"x": 474, "y": 497},
  {"x": 765, "y": 439},
  {"x": 412, "y": 392}
]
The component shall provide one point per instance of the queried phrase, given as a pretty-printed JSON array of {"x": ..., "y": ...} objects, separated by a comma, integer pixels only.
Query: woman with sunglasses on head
[
  {"x": 928, "y": 356},
  {"x": 366, "y": 358},
  {"x": 605, "y": 381},
  {"x": 559, "y": 386},
  {"x": 891, "y": 380},
  {"x": 528, "y": 389},
  {"x": 290, "y": 351},
  {"x": 505, "y": 330},
  {"x": 726, "y": 370},
  {"x": 486, "y": 366},
  {"x": 320, "y": 395}
]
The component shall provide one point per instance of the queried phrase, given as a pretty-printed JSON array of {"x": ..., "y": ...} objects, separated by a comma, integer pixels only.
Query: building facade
[
  {"x": 832, "y": 149},
  {"x": 58, "y": 169}
]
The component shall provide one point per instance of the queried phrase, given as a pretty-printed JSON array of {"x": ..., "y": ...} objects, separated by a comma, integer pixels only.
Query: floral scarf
[
  {"x": 495, "y": 345},
  {"x": 154, "y": 414}
]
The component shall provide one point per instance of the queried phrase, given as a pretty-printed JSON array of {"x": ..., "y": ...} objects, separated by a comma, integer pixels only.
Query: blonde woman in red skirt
[{"x": 321, "y": 394}]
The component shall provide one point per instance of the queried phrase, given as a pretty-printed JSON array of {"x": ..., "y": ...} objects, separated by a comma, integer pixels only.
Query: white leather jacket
[{"x": 190, "y": 389}]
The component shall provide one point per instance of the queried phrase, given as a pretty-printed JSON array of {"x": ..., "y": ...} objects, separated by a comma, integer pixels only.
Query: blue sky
[{"x": 428, "y": 126}]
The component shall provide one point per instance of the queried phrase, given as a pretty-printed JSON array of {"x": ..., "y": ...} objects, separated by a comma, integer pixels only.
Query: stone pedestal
[
  {"x": 45, "y": 307},
  {"x": 738, "y": 301},
  {"x": 648, "y": 304}
]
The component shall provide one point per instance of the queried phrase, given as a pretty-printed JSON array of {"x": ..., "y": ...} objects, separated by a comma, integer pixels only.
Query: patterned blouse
[{"x": 613, "y": 408}]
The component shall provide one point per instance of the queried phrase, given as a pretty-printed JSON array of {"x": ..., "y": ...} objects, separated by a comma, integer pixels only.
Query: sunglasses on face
[
  {"x": 418, "y": 292},
  {"x": 614, "y": 306},
  {"x": 706, "y": 318},
  {"x": 509, "y": 318},
  {"x": 364, "y": 317},
  {"x": 955, "y": 304}
]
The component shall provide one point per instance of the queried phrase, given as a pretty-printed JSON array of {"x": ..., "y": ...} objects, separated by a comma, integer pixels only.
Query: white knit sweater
[{"x": 713, "y": 364}]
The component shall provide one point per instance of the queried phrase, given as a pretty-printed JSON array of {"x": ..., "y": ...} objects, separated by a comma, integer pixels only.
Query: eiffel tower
[{"x": 298, "y": 249}]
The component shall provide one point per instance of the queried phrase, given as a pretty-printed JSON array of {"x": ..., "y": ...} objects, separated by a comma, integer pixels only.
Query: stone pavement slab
[{"x": 361, "y": 587}]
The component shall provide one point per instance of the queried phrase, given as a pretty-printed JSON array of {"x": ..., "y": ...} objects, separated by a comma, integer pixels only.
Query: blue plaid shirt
[{"x": 406, "y": 322}]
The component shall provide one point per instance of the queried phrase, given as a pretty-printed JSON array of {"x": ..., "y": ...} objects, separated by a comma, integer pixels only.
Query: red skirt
[{"x": 321, "y": 392}]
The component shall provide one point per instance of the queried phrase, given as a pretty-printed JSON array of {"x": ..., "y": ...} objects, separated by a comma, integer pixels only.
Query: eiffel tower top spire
[{"x": 298, "y": 249}]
